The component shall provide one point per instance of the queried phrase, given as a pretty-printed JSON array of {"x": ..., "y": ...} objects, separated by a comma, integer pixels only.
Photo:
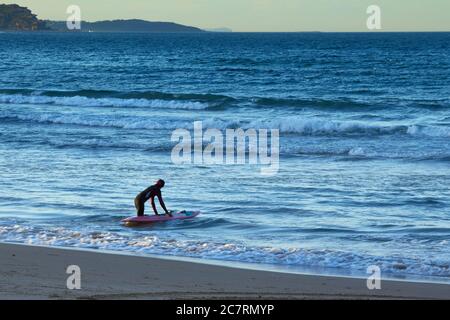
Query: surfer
[{"x": 150, "y": 193}]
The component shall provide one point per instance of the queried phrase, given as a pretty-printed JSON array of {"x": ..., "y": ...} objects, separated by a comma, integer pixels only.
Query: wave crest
[{"x": 83, "y": 101}]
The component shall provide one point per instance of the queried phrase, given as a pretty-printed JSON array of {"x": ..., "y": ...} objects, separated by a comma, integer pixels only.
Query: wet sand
[{"x": 33, "y": 272}]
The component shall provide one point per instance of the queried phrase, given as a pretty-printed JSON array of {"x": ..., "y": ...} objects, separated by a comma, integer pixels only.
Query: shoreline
[
  {"x": 285, "y": 269},
  {"x": 37, "y": 272}
]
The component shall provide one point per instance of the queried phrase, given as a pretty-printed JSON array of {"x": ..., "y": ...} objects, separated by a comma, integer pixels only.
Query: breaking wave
[
  {"x": 292, "y": 125},
  {"x": 82, "y": 101}
]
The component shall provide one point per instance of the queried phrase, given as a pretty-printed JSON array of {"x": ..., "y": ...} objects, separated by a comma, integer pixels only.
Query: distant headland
[
  {"x": 16, "y": 18},
  {"x": 133, "y": 25}
]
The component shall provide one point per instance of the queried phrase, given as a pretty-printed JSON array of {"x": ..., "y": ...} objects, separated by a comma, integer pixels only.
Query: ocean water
[{"x": 364, "y": 120}]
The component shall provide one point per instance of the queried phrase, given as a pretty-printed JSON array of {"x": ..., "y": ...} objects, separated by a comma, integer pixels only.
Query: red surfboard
[{"x": 182, "y": 215}]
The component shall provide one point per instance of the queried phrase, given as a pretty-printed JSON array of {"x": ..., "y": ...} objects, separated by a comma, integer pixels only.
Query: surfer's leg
[
  {"x": 139, "y": 207},
  {"x": 141, "y": 210}
]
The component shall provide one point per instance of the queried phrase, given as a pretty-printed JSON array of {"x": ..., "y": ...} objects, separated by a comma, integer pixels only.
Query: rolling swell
[
  {"x": 206, "y": 101},
  {"x": 150, "y": 95},
  {"x": 355, "y": 103},
  {"x": 287, "y": 125},
  {"x": 83, "y": 101},
  {"x": 316, "y": 103}
]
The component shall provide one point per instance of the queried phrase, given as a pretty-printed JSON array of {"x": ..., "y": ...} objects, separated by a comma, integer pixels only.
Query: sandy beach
[{"x": 32, "y": 272}]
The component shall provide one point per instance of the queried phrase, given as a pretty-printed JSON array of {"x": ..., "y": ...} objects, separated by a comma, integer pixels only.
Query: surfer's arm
[
  {"x": 154, "y": 207},
  {"x": 161, "y": 202}
]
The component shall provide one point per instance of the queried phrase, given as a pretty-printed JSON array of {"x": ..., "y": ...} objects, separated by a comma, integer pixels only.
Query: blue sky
[{"x": 260, "y": 15}]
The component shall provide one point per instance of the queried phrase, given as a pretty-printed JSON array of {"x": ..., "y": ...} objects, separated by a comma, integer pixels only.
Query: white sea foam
[
  {"x": 287, "y": 125},
  {"x": 166, "y": 245},
  {"x": 111, "y": 120},
  {"x": 358, "y": 151},
  {"x": 429, "y": 131},
  {"x": 88, "y": 120},
  {"x": 316, "y": 126},
  {"x": 101, "y": 102}
]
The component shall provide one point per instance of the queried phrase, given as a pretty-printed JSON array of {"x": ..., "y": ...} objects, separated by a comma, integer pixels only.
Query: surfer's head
[{"x": 160, "y": 183}]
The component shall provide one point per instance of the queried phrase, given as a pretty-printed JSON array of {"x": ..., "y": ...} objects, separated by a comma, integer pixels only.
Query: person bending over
[{"x": 150, "y": 193}]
